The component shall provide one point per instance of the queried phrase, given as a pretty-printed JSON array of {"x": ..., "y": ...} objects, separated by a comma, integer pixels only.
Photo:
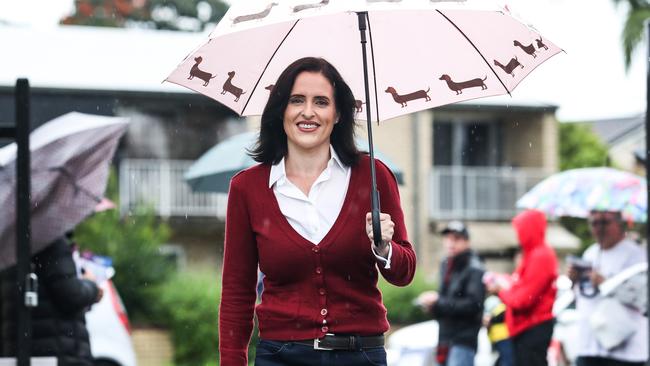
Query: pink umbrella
[{"x": 421, "y": 54}]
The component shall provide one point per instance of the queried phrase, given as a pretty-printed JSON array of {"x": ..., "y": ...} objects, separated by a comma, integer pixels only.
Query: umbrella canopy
[
  {"x": 423, "y": 53},
  {"x": 575, "y": 192},
  {"x": 214, "y": 169},
  {"x": 70, "y": 164}
]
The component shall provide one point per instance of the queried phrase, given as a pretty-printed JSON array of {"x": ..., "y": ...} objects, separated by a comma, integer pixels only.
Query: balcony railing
[
  {"x": 159, "y": 184},
  {"x": 479, "y": 193}
]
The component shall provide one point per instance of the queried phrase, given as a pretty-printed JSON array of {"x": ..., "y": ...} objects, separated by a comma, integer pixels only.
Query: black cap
[{"x": 456, "y": 227}]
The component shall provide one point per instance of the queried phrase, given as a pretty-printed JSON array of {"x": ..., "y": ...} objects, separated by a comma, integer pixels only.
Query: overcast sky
[{"x": 587, "y": 82}]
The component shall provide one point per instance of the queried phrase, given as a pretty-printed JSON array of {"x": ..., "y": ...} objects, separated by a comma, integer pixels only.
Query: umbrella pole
[
  {"x": 23, "y": 234},
  {"x": 376, "y": 227},
  {"x": 647, "y": 171}
]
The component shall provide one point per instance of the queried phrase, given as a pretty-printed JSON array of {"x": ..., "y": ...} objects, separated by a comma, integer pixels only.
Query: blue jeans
[
  {"x": 506, "y": 352},
  {"x": 460, "y": 355},
  {"x": 275, "y": 353}
]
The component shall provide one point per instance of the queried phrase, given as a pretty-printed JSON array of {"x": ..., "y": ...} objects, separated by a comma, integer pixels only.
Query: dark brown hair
[{"x": 271, "y": 146}]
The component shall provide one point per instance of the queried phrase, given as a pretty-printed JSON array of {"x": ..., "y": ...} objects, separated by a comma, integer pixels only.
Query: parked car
[
  {"x": 109, "y": 330},
  {"x": 107, "y": 321}
]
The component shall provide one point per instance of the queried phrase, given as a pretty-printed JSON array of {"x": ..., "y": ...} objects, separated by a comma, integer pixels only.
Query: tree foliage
[
  {"x": 580, "y": 147},
  {"x": 133, "y": 243},
  {"x": 634, "y": 30},
  {"x": 187, "y": 15}
]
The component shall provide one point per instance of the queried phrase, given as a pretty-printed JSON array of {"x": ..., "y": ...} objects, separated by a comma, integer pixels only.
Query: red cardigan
[{"x": 309, "y": 290}]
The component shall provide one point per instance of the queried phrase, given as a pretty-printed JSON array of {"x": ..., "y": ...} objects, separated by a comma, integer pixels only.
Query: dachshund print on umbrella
[
  {"x": 358, "y": 105},
  {"x": 228, "y": 87},
  {"x": 460, "y": 85},
  {"x": 320, "y": 4},
  {"x": 541, "y": 44},
  {"x": 402, "y": 99},
  {"x": 510, "y": 67},
  {"x": 260, "y": 15},
  {"x": 529, "y": 49},
  {"x": 203, "y": 75}
]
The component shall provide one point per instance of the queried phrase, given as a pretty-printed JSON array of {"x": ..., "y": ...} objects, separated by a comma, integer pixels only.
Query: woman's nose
[{"x": 308, "y": 111}]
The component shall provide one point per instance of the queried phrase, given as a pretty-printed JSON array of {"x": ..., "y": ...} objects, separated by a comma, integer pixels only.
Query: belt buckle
[{"x": 317, "y": 344}]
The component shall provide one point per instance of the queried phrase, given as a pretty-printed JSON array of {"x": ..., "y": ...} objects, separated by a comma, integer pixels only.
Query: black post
[
  {"x": 376, "y": 227},
  {"x": 23, "y": 231},
  {"x": 647, "y": 165}
]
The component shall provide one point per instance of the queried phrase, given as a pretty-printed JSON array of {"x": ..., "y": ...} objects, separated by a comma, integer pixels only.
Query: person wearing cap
[{"x": 458, "y": 306}]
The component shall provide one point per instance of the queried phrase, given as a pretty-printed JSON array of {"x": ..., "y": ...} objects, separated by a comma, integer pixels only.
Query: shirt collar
[{"x": 279, "y": 173}]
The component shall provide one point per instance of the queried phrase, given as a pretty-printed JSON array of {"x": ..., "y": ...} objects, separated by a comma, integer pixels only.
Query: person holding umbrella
[
  {"x": 302, "y": 215},
  {"x": 611, "y": 254}
]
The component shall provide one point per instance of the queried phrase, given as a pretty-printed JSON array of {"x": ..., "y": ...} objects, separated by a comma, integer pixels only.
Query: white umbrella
[{"x": 70, "y": 159}]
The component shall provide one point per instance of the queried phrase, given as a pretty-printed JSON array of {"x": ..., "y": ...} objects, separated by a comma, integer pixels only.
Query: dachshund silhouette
[
  {"x": 459, "y": 86},
  {"x": 530, "y": 49},
  {"x": 358, "y": 105},
  {"x": 195, "y": 71},
  {"x": 402, "y": 99},
  {"x": 298, "y": 8},
  {"x": 260, "y": 15},
  {"x": 541, "y": 44},
  {"x": 510, "y": 67},
  {"x": 228, "y": 87}
]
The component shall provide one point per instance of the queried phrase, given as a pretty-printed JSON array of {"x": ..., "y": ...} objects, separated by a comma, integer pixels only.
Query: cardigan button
[
  {"x": 321, "y": 291},
  {"x": 324, "y": 329},
  {"x": 323, "y": 312},
  {"x": 315, "y": 249},
  {"x": 319, "y": 270}
]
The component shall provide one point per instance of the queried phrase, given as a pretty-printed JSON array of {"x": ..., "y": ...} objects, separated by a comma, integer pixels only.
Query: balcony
[
  {"x": 479, "y": 193},
  {"x": 159, "y": 184}
]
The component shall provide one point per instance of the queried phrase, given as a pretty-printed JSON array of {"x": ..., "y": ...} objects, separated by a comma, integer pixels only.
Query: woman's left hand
[{"x": 387, "y": 231}]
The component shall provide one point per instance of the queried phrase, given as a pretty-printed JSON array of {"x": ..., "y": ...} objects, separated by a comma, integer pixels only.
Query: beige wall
[{"x": 530, "y": 140}]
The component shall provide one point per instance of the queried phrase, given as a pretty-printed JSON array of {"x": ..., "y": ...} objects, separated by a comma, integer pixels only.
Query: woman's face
[{"x": 311, "y": 113}]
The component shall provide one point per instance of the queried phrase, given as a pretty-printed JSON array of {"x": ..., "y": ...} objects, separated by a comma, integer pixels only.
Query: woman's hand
[{"x": 387, "y": 231}]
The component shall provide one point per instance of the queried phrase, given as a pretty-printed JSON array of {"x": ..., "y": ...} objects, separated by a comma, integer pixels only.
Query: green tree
[
  {"x": 634, "y": 30},
  {"x": 580, "y": 148},
  {"x": 187, "y": 15},
  {"x": 133, "y": 243}
]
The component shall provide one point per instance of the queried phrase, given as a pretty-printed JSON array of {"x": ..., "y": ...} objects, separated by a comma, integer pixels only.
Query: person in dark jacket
[
  {"x": 458, "y": 306},
  {"x": 529, "y": 299},
  {"x": 58, "y": 322}
]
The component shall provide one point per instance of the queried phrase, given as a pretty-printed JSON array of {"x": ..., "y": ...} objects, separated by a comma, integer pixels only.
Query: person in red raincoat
[{"x": 529, "y": 300}]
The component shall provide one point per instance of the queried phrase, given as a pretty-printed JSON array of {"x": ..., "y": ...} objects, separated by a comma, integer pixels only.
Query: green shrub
[
  {"x": 133, "y": 243},
  {"x": 189, "y": 309},
  {"x": 399, "y": 300}
]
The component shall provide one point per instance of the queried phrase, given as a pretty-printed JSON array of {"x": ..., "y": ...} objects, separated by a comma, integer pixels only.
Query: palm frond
[{"x": 634, "y": 31}]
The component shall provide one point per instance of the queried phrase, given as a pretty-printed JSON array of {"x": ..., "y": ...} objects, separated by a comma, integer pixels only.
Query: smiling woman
[{"x": 302, "y": 216}]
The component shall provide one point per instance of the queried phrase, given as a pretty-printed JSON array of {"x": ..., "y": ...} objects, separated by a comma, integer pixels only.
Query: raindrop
[{"x": 530, "y": 144}]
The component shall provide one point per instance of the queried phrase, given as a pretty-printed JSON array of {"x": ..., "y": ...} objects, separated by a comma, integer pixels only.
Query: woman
[{"x": 302, "y": 216}]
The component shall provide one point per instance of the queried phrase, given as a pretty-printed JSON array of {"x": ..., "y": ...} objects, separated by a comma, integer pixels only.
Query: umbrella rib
[
  {"x": 267, "y": 65},
  {"x": 477, "y": 50},
  {"x": 374, "y": 73}
]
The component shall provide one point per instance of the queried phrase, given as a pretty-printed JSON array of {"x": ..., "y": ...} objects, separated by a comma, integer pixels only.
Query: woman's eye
[
  {"x": 322, "y": 102},
  {"x": 295, "y": 100}
]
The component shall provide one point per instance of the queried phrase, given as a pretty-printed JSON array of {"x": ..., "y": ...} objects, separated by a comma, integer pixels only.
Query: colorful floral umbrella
[{"x": 575, "y": 192}]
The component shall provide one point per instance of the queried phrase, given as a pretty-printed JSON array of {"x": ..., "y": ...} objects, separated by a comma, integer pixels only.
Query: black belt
[{"x": 344, "y": 342}]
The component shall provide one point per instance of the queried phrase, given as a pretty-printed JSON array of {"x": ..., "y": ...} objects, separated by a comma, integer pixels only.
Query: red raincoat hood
[{"x": 530, "y": 226}]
